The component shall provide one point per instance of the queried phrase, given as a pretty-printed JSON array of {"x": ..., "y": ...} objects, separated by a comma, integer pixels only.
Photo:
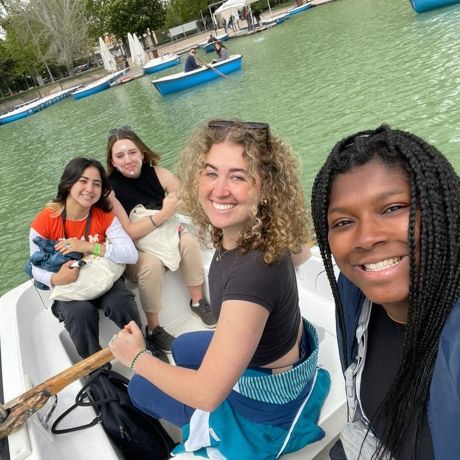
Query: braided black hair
[{"x": 434, "y": 280}]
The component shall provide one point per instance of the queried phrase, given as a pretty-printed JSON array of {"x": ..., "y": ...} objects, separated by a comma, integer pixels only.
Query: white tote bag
[
  {"x": 163, "y": 241},
  {"x": 96, "y": 277}
]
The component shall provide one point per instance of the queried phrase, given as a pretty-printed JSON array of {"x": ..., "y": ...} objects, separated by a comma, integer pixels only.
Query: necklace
[
  {"x": 221, "y": 254},
  {"x": 395, "y": 320}
]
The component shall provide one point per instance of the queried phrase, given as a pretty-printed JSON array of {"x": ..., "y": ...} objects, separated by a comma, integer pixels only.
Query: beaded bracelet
[
  {"x": 97, "y": 249},
  {"x": 136, "y": 358},
  {"x": 155, "y": 225}
]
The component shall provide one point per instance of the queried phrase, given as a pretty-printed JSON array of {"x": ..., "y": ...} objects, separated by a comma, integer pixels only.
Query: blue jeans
[{"x": 188, "y": 351}]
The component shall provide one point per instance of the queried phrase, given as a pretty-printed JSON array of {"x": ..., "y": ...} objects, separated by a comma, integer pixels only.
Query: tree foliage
[
  {"x": 97, "y": 18},
  {"x": 64, "y": 23},
  {"x": 57, "y": 29},
  {"x": 187, "y": 10},
  {"x": 135, "y": 16}
]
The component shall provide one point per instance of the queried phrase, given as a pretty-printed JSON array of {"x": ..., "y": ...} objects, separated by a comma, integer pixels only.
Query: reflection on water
[{"x": 342, "y": 67}]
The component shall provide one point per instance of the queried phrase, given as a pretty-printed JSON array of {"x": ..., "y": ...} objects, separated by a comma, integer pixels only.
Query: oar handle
[{"x": 23, "y": 406}]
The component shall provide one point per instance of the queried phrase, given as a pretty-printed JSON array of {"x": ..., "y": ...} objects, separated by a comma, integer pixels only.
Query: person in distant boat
[
  {"x": 80, "y": 220},
  {"x": 251, "y": 389},
  {"x": 386, "y": 208},
  {"x": 190, "y": 63},
  {"x": 136, "y": 179},
  {"x": 212, "y": 38},
  {"x": 221, "y": 50}
]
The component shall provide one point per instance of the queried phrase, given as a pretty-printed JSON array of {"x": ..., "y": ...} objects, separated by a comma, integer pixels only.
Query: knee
[
  {"x": 150, "y": 268},
  {"x": 188, "y": 243},
  {"x": 79, "y": 311}
]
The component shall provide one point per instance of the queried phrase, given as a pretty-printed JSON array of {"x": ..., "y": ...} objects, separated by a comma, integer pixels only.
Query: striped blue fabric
[{"x": 284, "y": 387}]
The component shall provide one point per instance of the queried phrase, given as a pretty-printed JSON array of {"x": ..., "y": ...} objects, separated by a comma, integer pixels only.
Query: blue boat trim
[
  {"x": 182, "y": 80},
  {"x": 420, "y": 6},
  {"x": 209, "y": 47},
  {"x": 299, "y": 9},
  {"x": 158, "y": 64},
  {"x": 99, "y": 85},
  {"x": 35, "y": 106}
]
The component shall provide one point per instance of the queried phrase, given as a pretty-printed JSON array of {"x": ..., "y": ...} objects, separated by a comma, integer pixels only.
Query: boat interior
[{"x": 35, "y": 347}]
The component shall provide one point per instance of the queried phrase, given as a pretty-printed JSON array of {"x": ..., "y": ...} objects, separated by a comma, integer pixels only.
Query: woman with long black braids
[{"x": 386, "y": 206}]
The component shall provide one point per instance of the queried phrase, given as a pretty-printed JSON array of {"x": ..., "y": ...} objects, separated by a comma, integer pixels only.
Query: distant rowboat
[
  {"x": 209, "y": 47},
  {"x": 299, "y": 9},
  {"x": 31, "y": 107},
  {"x": 99, "y": 85},
  {"x": 278, "y": 19},
  {"x": 161, "y": 63},
  {"x": 183, "y": 80}
]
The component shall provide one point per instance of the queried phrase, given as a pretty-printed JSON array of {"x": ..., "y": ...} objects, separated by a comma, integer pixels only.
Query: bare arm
[
  {"x": 170, "y": 184},
  {"x": 134, "y": 230},
  {"x": 234, "y": 342},
  {"x": 302, "y": 257}
]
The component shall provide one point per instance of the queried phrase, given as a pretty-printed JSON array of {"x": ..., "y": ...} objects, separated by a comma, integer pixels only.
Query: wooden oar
[
  {"x": 16, "y": 412},
  {"x": 212, "y": 68}
]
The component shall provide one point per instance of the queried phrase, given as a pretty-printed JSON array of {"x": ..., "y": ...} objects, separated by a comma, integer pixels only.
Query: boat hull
[
  {"x": 35, "y": 106},
  {"x": 275, "y": 19},
  {"x": 181, "y": 81},
  {"x": 420, "y": 6},
  {"x": 299, "y": 9},
  {"x": 209, "y": 47},
  {"x": 166, "y": 64},
  {"x": 97, "y": 89},
  {"x": 99, "y": 85}
]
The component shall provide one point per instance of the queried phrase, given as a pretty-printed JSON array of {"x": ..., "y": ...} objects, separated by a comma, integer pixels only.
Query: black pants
[{"x": 81, "y": 317}]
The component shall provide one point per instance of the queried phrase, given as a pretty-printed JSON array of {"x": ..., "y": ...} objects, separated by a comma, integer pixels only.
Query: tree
[
  {"x": 97, "y": 18},
  {"x": 61, "y": 25},
  {"x": 187, "y": 10},
  {"x": 65, "y": 24},
  {"x": 135, "y": 16}
]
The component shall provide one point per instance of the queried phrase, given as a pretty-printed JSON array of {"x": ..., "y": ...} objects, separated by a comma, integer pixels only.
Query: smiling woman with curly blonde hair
[
  {"x": 279, "y": 221},
  {"x": 254, "y": 381}
]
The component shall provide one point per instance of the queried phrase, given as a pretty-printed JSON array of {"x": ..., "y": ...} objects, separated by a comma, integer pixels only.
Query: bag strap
[
  {"x": 79, "y": 402},
  {"x": 55, "y": 430}
]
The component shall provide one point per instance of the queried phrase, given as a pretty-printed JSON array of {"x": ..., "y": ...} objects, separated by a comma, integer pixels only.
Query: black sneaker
[
  {"x": 160, "y": 337},
  {"x": 203, "y": 310},
  {"x": 155, "y": 349}
]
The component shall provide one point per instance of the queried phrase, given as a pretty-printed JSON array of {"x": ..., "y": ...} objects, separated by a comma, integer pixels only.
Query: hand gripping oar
[
  {"x": 16, "y": 412},
  {"x": 212, "y": 68}
]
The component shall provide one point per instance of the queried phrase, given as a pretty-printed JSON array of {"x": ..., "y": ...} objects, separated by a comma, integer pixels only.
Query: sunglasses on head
[
  {"x": 115, "y": 131},
  {"x": 245, "y": 124}
]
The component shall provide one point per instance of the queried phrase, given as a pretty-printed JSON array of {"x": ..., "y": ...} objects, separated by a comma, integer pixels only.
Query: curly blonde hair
[{"x": 278, "y": 223}]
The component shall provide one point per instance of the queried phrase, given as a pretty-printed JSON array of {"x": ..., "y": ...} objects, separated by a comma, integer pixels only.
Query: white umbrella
[
  {"x": 231, "y": 5},
  {"x": 109, "y": 62},
  {"x": 237, "y": 5},
  {"x": 143, "y": 58},
  {"x": 132, "y": 47}
]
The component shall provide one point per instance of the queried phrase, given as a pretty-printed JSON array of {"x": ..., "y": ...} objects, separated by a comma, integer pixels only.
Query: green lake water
[{"x": 333, "y": 70}]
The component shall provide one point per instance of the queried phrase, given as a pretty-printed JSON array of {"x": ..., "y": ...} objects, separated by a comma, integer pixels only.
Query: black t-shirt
[
  {"x": 384, "y": 351},
  {"x": 273, "y": 286},
  {"x": 145, "y": 189}
]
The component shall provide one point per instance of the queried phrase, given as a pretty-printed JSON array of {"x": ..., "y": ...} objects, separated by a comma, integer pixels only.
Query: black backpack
[{"x": 137, "y": 435}]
